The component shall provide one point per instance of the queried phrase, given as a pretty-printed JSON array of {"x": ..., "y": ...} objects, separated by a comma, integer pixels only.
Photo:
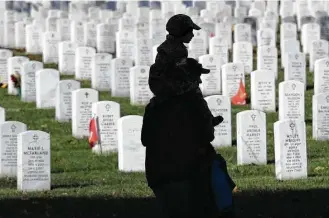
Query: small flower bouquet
[{"x": 16, "y": 80}]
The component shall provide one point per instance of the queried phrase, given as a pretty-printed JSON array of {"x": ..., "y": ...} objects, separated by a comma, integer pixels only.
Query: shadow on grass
[{"x": 281, "y": 204}]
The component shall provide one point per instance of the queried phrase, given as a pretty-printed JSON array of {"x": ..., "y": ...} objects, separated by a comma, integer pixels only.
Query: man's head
[{"x": 181, "y": 26}]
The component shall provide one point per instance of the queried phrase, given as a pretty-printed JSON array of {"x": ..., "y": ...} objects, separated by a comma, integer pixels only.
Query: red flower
[{"x": 13, "y": 78}]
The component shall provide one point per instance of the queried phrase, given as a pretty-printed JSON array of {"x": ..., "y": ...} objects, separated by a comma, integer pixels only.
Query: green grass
[{"x": 82, "y": 180}]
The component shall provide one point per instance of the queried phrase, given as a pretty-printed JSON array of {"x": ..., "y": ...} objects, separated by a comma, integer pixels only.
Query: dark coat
[{"x": 178, "y": 125}]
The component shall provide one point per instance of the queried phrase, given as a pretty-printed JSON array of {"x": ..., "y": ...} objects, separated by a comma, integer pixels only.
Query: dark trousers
[{"x": 186, "y": 199}]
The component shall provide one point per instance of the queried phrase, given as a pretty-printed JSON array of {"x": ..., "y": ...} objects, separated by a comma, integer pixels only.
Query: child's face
[{"x": 188, "y": 37}]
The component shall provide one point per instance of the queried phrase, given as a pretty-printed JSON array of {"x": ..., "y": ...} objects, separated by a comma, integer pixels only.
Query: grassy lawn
[{"x": 87, "y": 185}]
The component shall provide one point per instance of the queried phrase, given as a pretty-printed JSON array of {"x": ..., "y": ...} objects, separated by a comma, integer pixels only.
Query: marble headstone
[
  {"x": 131, "y": 152},
  {"x": 33, "y": 161},
  {"x": 8, "y": 147},
  {"x": 251, "y": 137},
  {"x": 63, "y": 107}
]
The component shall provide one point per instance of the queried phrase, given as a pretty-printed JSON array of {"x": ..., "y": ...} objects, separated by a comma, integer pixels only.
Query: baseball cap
[{"x": 179, "y": 24}]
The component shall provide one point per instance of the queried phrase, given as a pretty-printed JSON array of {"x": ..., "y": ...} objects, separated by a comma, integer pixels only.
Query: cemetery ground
[{"x": 87, "y": 185}]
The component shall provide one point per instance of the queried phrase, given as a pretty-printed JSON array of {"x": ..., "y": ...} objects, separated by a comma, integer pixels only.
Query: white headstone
[
  {"x": 242, "y": 32},
  {"x": 9, "y": 34},
  {"x": 291, "y": 100},
  {"x": 290, "y": 46},
  {"x": 143, "y": 55},
  {"x": 211, "y": 83},
  {"x": 89, "y": 34},
  {"x": 157, "y": 28},
  {"x": 262, "y": 90},
  {"x": 83, "y": 62},
  {"x": 296, "y": 68},
  {"x": 20, "y": 37},
  {"x": 243, "y": 53},
  {"x": 321, "y": 76},
  {"x": 66, "y": 57},
  {"x": 125, "y": 44},
  {"x": 2, "y": 115},
  {"x": 290, "y": 149},
  {"x": 319, "y": 50},
  {"x": 199, "y": 43},
  {"x": 51, "y": 24},
  {"x": 221, "y": 105},
  {"x": 224, "y": 30},
  {"x": 310, "y": 32},
  {"x": 131, "y": 153},
  {"x": 33, "y": 161},
  {"x": 33, "y": 39},
  {"x": 77, "y": 32},
  {"x": 142, "y": 28},
  {"x": 251, "y": 137},
  {"x": 232, "y": 74},
  {"x": 105, "y": 38},
  {"x": 28, "y": 85},
  {"x": 50, "y": 47},
  {"x": 320, "y": 115},
  {"x": 82, "y": 100},
  {"x": 266, "y": 37},
  {"x": 287, "y": 31},
  {"x": 267, "y": 59},
  {"x": 8, "y": 147},
  {"x": 14, "y": 65},
  {"x": 140, "y": 93},
  {"x": 101, "y": 72},
  {"x": 120, "y": 70},
  {"x": 63, "y": 107},
  {"x": 4, "y": 55},
  {"x": 46, "y": 81},
  {"x": 218, "y": 46},
  {"x": 108, "y": 113},
  {"x": 64, "y": 29}
]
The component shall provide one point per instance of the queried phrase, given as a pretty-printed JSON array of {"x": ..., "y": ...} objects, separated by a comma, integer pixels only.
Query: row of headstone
[
  {"x": 26, "y": 154},
  {"x": 289, "y": 144},
  {"x": 35, "y": 79}
]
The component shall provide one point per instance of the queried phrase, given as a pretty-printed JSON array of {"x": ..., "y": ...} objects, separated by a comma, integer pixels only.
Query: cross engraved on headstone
[
  {"x": 142, "y": 70},
  {"x": 123, "y": 62},
  {"x": 87, "y": 51},
  {"x": 292, "y": 126},
  {"x": 69, "y": 85},
  {"x": 33, "y": 66},
  {"x": 86, "y": 94},
  {"x": 107, "y": 107},
  {"x": 19, "y": 61},
  {"x": 327, "y": 63},
  {"x": 253, "y": 117},
  {"x": 211, "y": 59},
  {"x": 296, "y": 56},
  {"x": 219, "y": 101},
  {"x": 35, "y": 137},
  {"x": 293, "y": 86},
  {"x": 268, "y": 50},
  {"x": 234, "y": 68},
  {"x": 13, "y": 128}
]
